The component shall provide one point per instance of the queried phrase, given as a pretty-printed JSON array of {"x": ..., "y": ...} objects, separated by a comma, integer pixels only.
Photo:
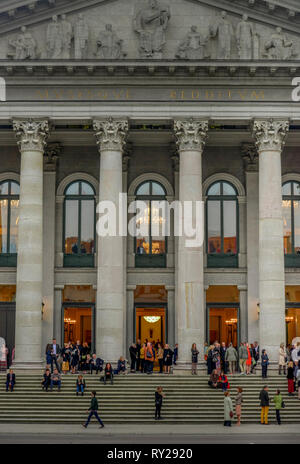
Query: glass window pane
[
  {"x": 14, "y": 188},
  {"x": 86, "y": 189},
  {"x": 14, "y": 222},
  {"x": 297, "y": 226},
  {"x": 296, "y": 188},
  {"x": 71, "y": 227},
  {"x": 157, "y": 230},
  {"x": 73, "y": 189},
  {"x": 287, "y": 226},
  {"x": 142, "y": 232},
  {"x": 214, "y": 226},
  {"x": 286, "y": 189},
  {"x": 144, "y": 189},
  {"x": 157, "y": 189},
  {"x": 3, "y": 225},
  {"x": 87, "y": 226},
  {"x": 228, "y": 189},
  {"x": 230, "y": 238},
  {"x": 215, "y": 189},
  {"x": 4, "y": 188}
]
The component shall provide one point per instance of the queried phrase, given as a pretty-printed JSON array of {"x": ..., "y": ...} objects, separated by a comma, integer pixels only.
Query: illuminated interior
[
  {"x": 223, "y": 321},
  {"x": 7, "y": 293},
  {"x": 292, "y": 317}
]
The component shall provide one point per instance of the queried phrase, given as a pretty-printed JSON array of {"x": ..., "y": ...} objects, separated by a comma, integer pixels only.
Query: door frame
[
  {"x": 9, "y": 306},
  {"x": 289, "y": 306},
  {"x": 79, "y": 305},
  {"x": 223, "y": 305},
  {"x": 154, "y": 306}
]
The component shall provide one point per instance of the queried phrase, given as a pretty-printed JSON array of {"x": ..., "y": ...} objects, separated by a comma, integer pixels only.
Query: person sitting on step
[
  {"x": 55, "y": 380},
  {"x": 80, "y": 385},
  {"x": 46, "y": 380},
  {"x": 121, "y": 366},
  {"x": 108, "y": 373}
]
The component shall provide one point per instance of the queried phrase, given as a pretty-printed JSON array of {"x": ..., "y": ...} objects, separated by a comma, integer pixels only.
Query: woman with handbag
[
  {"x": 238, "y": 404},
  {"x": 228, "y": 409}
]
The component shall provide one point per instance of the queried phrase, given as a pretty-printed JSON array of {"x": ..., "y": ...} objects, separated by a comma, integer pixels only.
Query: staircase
[{"x": 188, "y": 400}]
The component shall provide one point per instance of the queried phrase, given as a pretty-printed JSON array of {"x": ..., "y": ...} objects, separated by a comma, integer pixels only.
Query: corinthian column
[
  {"x": 110, "y": 320},
  {"x": 31, "y": 136},
  {"x": 191, "y": 136},
  {"x": 270, "y": 135}
]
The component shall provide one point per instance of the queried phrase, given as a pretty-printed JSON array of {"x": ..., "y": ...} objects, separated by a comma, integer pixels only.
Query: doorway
[
  {"x": 292, "y": 322},
  {"x": 79, "y": 323},
  {"x": 223, "y": 324},
  {"x": 151, "y": 324}
]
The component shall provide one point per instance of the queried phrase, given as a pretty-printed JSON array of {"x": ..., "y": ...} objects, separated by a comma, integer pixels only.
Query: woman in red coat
[{"x": 248, "y": 360}]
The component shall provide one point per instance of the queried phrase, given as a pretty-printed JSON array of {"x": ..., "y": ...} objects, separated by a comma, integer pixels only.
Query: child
[{"x": 278, "y": 405}]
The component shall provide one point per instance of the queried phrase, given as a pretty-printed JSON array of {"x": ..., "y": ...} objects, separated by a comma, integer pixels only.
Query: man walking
[
  {"x": 93, "y": 411},
  {"x": 243, "y": 356},
  {"x": 264, "y": 403}
]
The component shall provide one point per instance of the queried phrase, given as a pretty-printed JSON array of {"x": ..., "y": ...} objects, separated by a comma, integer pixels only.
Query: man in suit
[
  {"x": 223, "y": 350},
  {"x": 10, "y": 380},
  {"x": 54, "y": 349}
]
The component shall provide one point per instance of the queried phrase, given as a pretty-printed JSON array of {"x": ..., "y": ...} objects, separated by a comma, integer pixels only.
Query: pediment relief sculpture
[
  {"x": 279, "y": 47},
  {"x": 151, "y": 23},
  {"x": 193, "y": 46},
  {"x": 223, "y": 32},
  {"x": 24, "y": 46},
  {"x": 109, "y": 46}
]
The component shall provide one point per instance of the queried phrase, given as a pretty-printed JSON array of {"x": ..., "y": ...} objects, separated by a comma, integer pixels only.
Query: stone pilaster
[
  {"x": 31, "y": 136},
  {"x": 270, "y": 137},
  {"x": 111, "y": 138},
  {"x": 191, "y": 136},
  {"x": 52, "y": 153}
]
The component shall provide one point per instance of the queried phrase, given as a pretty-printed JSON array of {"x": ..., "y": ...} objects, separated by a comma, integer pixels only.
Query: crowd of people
[{"x": 221, "y": 361}]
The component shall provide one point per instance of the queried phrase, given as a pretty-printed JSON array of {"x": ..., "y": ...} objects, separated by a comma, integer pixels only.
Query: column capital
[
  {"x": 270, "y": 134},
  {"x": 31, "y": 134},
  {"x": 191, "y": 134},
  {"x": 111, "y": 133},
  {"x": 52, "y": 152},
  {"x": 250, "y": 156}
]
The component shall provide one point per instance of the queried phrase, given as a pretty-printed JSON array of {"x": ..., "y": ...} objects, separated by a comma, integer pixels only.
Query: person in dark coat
[
  {"x": 93, "y": 411},
  {"x": 168, "y": 356},
  {"x": 108, "y": 373},
  {"x": 96, "y": 364},
  {"x": 210, "y": 364},
  {"x": 133, "y": 353},
  {"x": 121, "y": 366},
  {"x": 264, "y": 404},
  {"x": 175, "y": 357},
  {"x": 138, "y": 354},
  {"x": 264, "y": 364},
  {"x": 46, "y": 380},
  {"x": 80, "y": 385},
  {"x": 195, "y": 354},
  {"x": 159, "y": 395},
  {"x": 10, "y": 380},
  {"x": 223, "y": 350}
]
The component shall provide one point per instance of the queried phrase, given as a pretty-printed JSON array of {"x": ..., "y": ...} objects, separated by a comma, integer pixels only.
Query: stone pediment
[{"x": 183, "y": 30}]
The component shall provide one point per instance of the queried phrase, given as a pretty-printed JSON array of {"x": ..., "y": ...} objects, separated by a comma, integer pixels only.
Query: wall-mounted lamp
[{"x": 258, "y": 309}]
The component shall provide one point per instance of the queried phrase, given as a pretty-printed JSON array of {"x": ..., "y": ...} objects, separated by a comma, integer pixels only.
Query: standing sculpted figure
[
  {"x": 24, "y": 45},
  {"x": 109, "y": 45},
  {"x": 245, "y": 37},
  {"x": 223, "y": 30},
  {"x": 279, "y": 47},
  {"x": 81, "y": 37},
  {"x": 54, "y": 39},
  {"x": 151, "y": 23},
  {"x": 67, "y": 36},
  {"x": 193, "y": 46}
]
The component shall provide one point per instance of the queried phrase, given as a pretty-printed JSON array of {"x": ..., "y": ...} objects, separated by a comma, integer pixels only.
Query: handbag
[
  {"x": 231, "y": 414},
  {"x": 283, "y": 404}
]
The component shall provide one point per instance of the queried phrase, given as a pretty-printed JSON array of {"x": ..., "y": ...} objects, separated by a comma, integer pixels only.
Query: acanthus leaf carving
[
  {"x": 31, "y": 134},
  {"x": 270, "y": 134},
  {"x": 191, "y": 134},
  {"x": 111, "y": 134}
]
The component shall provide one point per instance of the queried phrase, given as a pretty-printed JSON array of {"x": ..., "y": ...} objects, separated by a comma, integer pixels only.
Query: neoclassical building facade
[{"x": 159, "y": 100}]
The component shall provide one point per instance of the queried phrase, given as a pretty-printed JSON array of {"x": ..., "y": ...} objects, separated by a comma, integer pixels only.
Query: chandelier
[{"x": 152, "y": 319}]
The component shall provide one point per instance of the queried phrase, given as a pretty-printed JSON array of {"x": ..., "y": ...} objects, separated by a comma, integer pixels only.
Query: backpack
[{"x": 148, "y": 354}]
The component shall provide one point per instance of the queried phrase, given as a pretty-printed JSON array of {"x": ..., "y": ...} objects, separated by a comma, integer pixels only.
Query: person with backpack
[
  {"x": 159, "y": 395},
  {"x": 264, "y": 404},
  {"x": 93, "y": 411},
  {"x": 278, "y": 405}
]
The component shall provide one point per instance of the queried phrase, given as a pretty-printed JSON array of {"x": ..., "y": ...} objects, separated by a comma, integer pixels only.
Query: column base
[{"x": 28, "y": 367}]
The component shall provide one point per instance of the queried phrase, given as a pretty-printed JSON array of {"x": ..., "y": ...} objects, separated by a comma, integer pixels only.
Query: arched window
[
  {"x": 79, "y": 225},
  {"x": 291, "y": 217},
  {"x": 9, "y": 220},
  {"x": 151, "y": 246},
  {"x": 222, "y": 225}
]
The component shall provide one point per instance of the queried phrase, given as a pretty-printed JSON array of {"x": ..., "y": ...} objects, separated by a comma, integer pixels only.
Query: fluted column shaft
[
  {"x": 191, "y": 136},
  {"x": 270, "y": 136},
  {"x": 110, "y": 319},
  {"x": 31, "y": 136}
]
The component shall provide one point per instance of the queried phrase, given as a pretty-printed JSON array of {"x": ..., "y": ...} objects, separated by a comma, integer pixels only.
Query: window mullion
[
  {"x": 79, "y": 226},
  {"x": 150, "y": 227},
  {"x": 8, "y": 225},
  {"x": 293, "y": 225},
  {"x": 222, "y": 225}
]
